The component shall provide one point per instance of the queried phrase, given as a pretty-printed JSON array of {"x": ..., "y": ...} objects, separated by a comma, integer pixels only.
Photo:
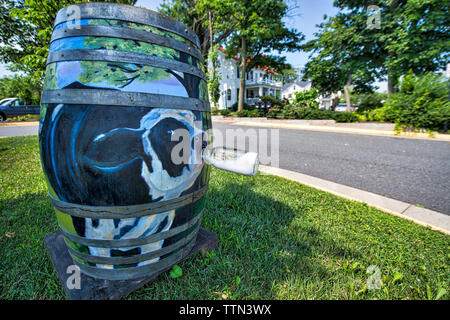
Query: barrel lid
[{"x": 116, "y": 11}]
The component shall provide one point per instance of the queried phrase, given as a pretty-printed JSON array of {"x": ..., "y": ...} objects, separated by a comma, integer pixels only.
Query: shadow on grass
[
  {"x": 265, "y": 246},
  {"x": 268, "y": 248}
]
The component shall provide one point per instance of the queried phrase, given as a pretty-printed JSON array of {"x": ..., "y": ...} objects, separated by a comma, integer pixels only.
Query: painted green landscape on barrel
[{"x": 130, "y": 25}]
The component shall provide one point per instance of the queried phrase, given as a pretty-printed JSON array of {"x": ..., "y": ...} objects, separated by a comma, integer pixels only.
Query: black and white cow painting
[{"x": 118, "y": 156}]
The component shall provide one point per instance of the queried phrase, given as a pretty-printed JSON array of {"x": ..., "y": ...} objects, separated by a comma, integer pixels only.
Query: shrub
[
  {"x": 27, "y": 88},
  {"x": 272, "y": 101},
  {"x": 307, "y": 98},
  {"x": 309, "y": 113},
  {"x": 421, "y": 103},
  {"x": 345, "y": 117},
  {"x": 254, "y": 113},
  {"x": 224, "y": 112},
  {"x": 370, "y": 101},
  {"x": 242, "y": 113},
  {"x": 273, "y": 112},
  {"x": 214, "y": 111},
  {"x": 234, "y": 107},
  {"x": 383, "y": 114}
]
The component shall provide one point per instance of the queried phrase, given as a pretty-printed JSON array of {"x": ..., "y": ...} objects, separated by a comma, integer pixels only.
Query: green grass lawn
[{"x": 277, "y": 240}]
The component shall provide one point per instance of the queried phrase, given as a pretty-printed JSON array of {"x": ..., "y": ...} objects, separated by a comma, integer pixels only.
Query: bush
[
  {"x": 421, "y": 103},
  {"x": 234, "y": 107},
  {"x": 224, "y": 112},
  {"x": 24, "y": 118},
  {"x": 307, "y": 98},
  {"x": 26, "y": 88},
  {"x": 242, "y": 113},
  {"x": 214, "y": 111},
  {"x": 383, "y": 114},
  {"x": 255, "y": 113},
  {"x": 309, "y": 113},
  {"x": 272, "y": 101},
  {"x": 249, "y": 113},
  {"x": 345, "y": 117},
  {"x": 370, "y": 101}
]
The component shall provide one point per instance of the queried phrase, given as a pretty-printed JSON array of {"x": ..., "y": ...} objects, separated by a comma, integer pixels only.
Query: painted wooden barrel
[{"x": 120, "y": 81}]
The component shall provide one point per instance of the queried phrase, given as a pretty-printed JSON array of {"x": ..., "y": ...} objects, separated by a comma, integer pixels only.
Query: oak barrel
[{"x": 120, "y": 81}]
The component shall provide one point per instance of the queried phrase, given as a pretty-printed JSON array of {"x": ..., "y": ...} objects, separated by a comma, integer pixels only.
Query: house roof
[{"x": 301, "y": 84}]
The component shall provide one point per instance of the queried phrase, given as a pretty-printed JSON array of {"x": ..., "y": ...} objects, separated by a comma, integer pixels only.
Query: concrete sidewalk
[
  {"x": 367, "y": 128},
  {"x": 435, "y": 220}
]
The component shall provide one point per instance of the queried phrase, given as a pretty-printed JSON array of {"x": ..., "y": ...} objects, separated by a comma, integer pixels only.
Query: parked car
[
  {"x": 4, "y": 101},
  {"x": 342, "y": 107},
  {"x": 14, "y": 107}
]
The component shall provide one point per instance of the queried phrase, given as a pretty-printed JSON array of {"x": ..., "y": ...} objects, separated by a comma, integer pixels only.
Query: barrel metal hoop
[
  {"x": 128, "y": 34},
  {"x": 126, "y": 212},
  {"x": 125, "y": 13},
  {"x": 125, "y": 57},
  {"x": 136, "y": 258},
  {"x": 124, "y": 243},
  {"x": 137, "y": 272},
  {"x": 111, "y": 97}
]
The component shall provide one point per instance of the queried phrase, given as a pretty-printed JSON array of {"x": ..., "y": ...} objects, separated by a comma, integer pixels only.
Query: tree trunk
[
  {"x": 392, "y": 79},
  {"x": 211, "y": 47},
  {"x": 347, "y": 93},
  {"x": 243, "y": 72},
  {"x": 392, "y": 83},
  {"x": 211, "y": 38}
]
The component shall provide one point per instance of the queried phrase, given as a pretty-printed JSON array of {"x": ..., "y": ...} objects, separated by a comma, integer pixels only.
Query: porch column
[{"x": 260, "y": 91}]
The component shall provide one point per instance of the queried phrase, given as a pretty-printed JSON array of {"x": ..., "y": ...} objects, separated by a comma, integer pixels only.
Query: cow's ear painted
[{"x": 115, "y": 148}]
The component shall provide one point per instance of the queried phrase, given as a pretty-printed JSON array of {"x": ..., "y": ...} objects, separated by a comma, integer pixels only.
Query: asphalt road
[{"x": 416, "y": 171}]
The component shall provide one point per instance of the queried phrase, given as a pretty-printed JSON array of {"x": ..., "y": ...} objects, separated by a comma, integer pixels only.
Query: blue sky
[{"x": 305, "y": 18}]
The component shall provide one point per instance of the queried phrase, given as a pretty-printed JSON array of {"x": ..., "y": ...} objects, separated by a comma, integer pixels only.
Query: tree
[
  {"x": 259, "y": 28},
  {"x": 421, "y": 103},
  {"x": 24, "y": 87},
  {"x": 25, "y": 32},
  {"x": 341, "y": 56},
  {"x": 207, "y": 18},
  {"x": 413, "y": 35}
]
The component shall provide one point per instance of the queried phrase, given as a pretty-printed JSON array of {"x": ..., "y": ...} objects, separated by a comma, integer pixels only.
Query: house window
[
  {"x": 229, "y": 94},
  {"x": 238, "y": 72},
  {"x": 251, "y": 75},
  {"x": 237, "y": 93}
]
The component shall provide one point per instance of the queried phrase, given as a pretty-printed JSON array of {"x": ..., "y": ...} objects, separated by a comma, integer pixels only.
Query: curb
[
  {"x": 30, "y": 123},
  {"x": 437, "y": 136},
  {"x": 425, "y": 217}
]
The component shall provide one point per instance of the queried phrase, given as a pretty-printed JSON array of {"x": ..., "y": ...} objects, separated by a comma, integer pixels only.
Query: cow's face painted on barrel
[{"x": 165, "y": 177}]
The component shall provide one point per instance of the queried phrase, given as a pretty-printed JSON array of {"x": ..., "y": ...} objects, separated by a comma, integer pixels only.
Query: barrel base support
[{"x": 99, "y": 289}]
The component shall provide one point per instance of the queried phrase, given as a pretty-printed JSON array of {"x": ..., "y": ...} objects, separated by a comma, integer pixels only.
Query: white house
[
  {"x": 290, "y": 89},
  {"x": 259, "y": 82},
  {"x": 325, "y": 101}
]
